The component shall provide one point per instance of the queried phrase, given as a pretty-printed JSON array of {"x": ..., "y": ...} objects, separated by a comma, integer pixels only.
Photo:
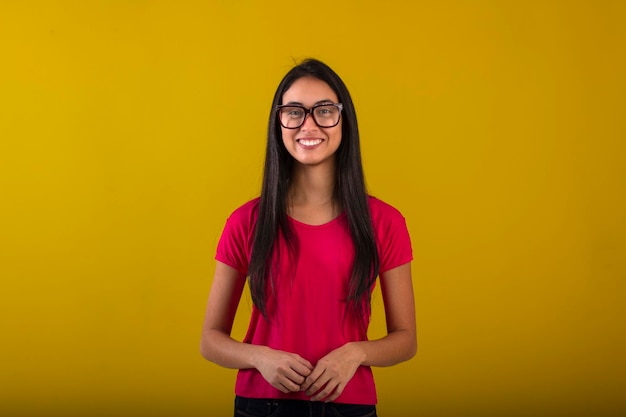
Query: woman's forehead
[{"x": 309, "y": 91}]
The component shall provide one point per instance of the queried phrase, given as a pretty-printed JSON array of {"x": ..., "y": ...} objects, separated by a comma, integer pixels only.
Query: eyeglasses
[{"x": 292, "y": 116}]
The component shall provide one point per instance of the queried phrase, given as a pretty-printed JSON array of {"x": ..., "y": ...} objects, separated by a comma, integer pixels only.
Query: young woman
[{"x": 311, "y": 248}]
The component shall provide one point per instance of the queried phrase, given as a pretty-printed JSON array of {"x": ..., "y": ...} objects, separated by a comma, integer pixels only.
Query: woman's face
[{"x": 310, "y": 144}]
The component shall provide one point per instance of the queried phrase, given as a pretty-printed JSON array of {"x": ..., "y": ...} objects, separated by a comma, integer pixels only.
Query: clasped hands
[{"x": 289, "y": 372}]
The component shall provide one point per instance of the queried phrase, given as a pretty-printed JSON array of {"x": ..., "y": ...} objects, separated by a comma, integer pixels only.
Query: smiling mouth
[{"x": 309, "y": 142}]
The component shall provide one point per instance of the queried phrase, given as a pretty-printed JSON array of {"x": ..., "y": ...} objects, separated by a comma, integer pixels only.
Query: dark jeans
[{"x": 257, "y": 407}]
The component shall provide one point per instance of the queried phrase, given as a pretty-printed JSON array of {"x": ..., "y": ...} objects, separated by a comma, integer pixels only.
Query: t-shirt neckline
[{"x": 317, "y": 226}]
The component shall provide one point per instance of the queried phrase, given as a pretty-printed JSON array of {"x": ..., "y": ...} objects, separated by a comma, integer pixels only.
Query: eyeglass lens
[{"x": 293, "y": 116}]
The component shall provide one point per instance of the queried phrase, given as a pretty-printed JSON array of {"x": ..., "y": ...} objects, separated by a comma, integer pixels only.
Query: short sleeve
[
  {"x": 234, "y": 245},
  {"x": 392, "y": 235}
]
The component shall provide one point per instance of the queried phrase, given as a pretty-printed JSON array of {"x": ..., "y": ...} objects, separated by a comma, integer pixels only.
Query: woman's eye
[{"x": 325, "y": 111}]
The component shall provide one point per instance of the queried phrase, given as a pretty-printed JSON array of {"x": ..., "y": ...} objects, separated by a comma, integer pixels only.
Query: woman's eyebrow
[{"x": 326, "y": 100}]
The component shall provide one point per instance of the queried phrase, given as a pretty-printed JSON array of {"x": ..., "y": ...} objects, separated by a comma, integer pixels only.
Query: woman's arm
[
  {"x": 335, "y": 370},
  {"x": 400, "y": 343},
  {"x": 285, "y": 371}
]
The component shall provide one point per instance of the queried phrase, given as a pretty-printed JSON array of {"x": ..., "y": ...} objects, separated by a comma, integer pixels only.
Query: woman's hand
[
  {"x": 283, "y": 370},
  {"x": 333, "y": 372}
]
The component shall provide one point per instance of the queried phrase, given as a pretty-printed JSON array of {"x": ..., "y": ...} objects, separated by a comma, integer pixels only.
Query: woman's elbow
[
  {"x": 411, "y": 348},
  {"x": 205, "y": 349}
]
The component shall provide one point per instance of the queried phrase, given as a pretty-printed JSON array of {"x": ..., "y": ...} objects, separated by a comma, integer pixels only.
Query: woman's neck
[
  {"x": 312, "y": 185},
  {"x": 311, "y": 195}
]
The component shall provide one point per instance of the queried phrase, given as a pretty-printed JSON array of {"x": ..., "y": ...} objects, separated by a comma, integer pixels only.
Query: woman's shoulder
[
  {"x": 246, "y": 213},
  {"x": 248, "y": 206},
  {"x": 381, "y": 209}
]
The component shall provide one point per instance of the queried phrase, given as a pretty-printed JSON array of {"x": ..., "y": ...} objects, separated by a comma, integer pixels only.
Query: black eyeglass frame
[{"x": 307, "y": 112}]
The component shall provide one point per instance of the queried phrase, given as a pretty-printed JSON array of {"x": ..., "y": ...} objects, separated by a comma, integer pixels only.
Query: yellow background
[{"x": 129, "y": 130}]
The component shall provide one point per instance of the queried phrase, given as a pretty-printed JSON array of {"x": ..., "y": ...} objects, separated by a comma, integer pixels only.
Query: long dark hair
[{"x": 350, "y": 192}]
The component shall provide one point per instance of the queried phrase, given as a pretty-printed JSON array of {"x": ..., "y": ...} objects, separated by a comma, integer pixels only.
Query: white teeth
[{"x": 310, "y": 142}]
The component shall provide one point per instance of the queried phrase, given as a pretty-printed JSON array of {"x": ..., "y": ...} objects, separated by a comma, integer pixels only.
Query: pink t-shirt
[{"x": 309, "y": 315}]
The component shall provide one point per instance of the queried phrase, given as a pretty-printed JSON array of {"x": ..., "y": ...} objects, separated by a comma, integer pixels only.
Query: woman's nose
[{"x": 309, "y": 122}]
